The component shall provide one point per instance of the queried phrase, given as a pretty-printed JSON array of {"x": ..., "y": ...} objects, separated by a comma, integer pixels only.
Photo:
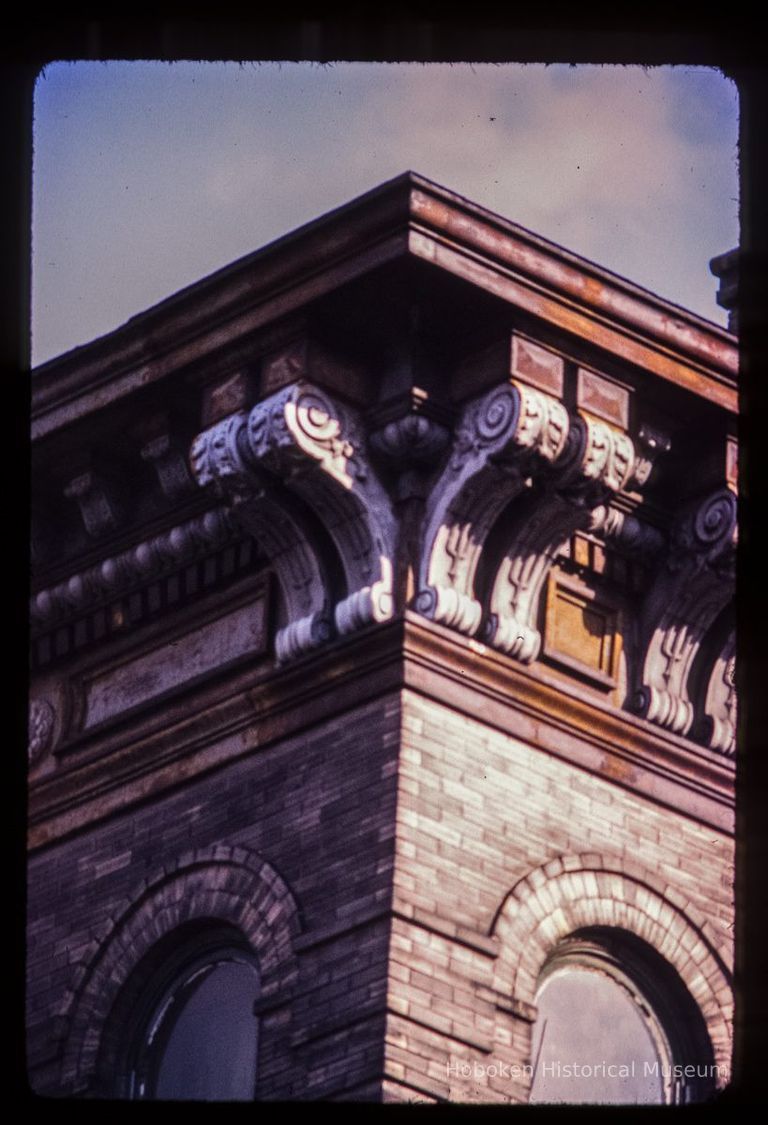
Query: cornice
[
  {"x": 408, "y": 217},
  {"x": 102, "y": 774},
  {"x": 631, "y": 341},
  {"x": 497, "y": 239}
]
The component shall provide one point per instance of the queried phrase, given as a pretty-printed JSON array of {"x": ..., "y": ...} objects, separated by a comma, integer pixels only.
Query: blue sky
[{"x": 148, "y": 176}]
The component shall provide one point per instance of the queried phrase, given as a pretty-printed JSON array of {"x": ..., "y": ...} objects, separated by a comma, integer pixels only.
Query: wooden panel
[{"x": 581, "y": 632}]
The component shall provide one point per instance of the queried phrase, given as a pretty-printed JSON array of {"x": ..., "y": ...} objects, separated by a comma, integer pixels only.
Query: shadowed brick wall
[{"x": 294, "y": 844}]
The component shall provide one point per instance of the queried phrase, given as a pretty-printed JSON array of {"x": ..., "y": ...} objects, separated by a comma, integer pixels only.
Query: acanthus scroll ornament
[
  {"x": 720, "y": 703},
  {"x": 220, "y": 462},
  {"x": 688, "y": 594},
  {"x": 508, "y": 435},
  {"x": 598, "y": 463},
  {"x": 316, "y": 447}
]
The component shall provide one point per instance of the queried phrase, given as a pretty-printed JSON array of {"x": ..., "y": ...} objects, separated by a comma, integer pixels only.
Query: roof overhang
[{"x": 407, "y": 218}]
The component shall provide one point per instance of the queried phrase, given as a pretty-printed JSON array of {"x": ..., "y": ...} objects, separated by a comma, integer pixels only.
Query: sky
[{"x": 148, "y": 176}]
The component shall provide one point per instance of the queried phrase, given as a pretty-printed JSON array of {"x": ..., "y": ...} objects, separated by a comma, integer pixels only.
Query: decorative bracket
[
  {"x": 170, "y": 466},
  {"x": 98, "y": 507},
  {"x": 638, "y": 536},
  {"x": 602, "y": 463},
  {"x": 690, "y": 591},
  {"x": 651, "y": 444},
  {"x": 301, "y": 442},
  {"x": 316, "y": 447},
  {"x": 218, "y": 464},
  {"x": 502, "y": 438}
]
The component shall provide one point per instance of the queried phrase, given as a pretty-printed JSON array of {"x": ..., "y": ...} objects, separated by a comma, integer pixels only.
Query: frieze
[{"x": 179, "y": 662}]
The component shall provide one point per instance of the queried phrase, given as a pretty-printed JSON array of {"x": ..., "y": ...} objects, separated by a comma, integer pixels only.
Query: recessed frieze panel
[
  {"x": 304, "y": 358},
  {"x": 537, "y": 365},
  {"x": 603, "y": 398},
  {"x": 581, "y": 631},
  {"x": 177, "y": 663}
]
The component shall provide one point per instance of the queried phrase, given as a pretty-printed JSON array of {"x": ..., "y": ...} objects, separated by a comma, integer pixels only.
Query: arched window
[
  {"x": 615, "y": 1024},
  {"x": 191, "y": 1026},
  {"x": 202, "y": 1039}
]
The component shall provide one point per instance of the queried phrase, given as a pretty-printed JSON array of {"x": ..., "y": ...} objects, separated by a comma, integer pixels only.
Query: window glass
[
  {"x": 202, "y": 1039},
  {"x": 594, "y": 1041}
]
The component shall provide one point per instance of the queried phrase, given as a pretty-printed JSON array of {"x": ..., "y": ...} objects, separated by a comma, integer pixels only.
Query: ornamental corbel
[
  {"x": 502, "y": 439},
  {"x": 412, "y": 440},
  {"x": 408, "y": 437},
  {"x": 720, "y": 702},
  {"x": 316, "y": 447},
  {"x": 690, "y": 590},
  {"x": 651, "y": 444},
  {"x": 627, "y": 530},
  {"x": 599, "y": 464},
  {"x": 170, "y": 465},
  {"x": 98, "y": 506},
  {"x": 218, "y": 460}
]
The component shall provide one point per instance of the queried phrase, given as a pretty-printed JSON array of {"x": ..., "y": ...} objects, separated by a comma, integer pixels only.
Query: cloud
[{"x": 149, "y": 176}]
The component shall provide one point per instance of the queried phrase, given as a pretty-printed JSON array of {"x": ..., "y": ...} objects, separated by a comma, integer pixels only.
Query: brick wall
[
  {"x": 402, "y": 872},
  {"x": 502, "y": 849},
  {"x": 297, "y": 836}
]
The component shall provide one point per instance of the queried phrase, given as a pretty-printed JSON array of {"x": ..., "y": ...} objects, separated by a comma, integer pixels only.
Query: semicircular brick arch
[
  {"x": 223, "y": 884},
  {"x": 574, "y": 892}
]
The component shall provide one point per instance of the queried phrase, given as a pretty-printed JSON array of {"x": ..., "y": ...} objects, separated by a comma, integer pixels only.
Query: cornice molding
[
  {"x": 409, "y": 217},
  {"x": 473, "y": 679},
  {"x": 138, "y": 565}
]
